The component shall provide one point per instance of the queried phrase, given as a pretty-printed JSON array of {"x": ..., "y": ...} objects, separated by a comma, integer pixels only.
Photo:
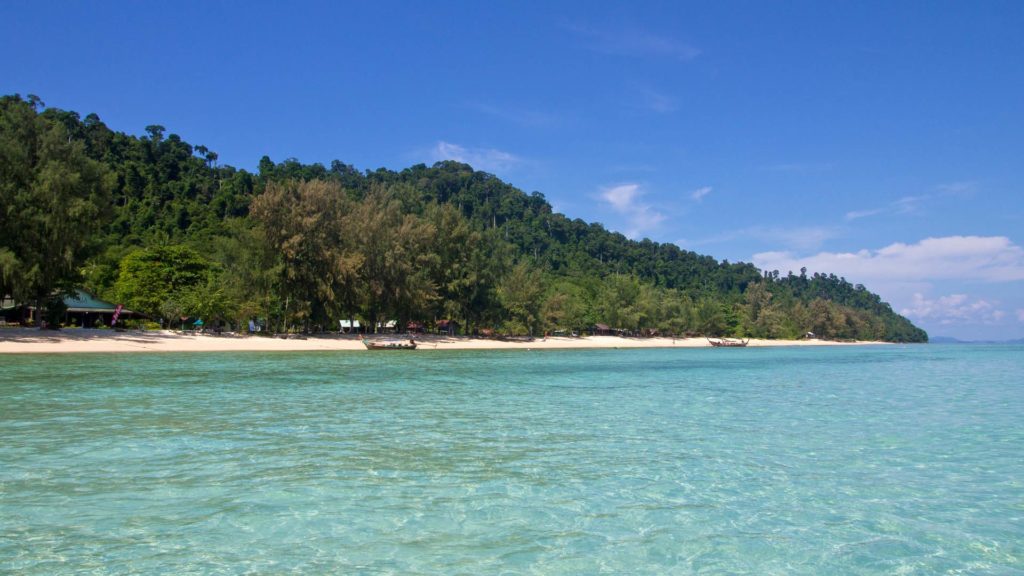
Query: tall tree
[
  {"x": 567, "y": 306},
  {"x": 396, "y": 260},
  {"x": 469, "y": 263},
  {"x": 53, "y": 200},
  {"x": 251, "y": 270},
  {"x": 306, "y": 222},
  {"x": 520, "y": 293}
]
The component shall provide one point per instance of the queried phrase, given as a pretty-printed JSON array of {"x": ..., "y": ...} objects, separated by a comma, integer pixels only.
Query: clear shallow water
[{"x": 787, "y": 461}]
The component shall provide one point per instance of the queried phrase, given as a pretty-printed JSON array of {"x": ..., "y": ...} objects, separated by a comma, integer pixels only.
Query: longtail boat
[
  {"x": 727, "y": 342},
  {"x": 389, "y": 344}
]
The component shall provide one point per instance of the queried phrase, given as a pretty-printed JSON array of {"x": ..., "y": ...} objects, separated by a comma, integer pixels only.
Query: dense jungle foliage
[{"x": 157, "y": 224}]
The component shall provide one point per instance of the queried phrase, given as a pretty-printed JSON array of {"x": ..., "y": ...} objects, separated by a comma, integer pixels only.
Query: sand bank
[{"x": 27, "y": 340}]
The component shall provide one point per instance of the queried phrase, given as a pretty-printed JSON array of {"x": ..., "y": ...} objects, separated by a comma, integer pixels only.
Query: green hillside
[{"x": 157, "y": 224}]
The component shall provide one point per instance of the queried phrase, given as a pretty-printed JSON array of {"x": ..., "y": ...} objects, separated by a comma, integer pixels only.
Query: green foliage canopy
[{"x": 305, "y": 244}]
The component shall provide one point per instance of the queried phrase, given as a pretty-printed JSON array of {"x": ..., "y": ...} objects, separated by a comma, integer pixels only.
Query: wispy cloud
[
  {"x": 1020, "y": 314},
  {"x": 966, "y": 258},
  {"x": 699, "y": 194},
  {"x": 515, "y": 115},
  {"x": 800, "y": 167},
  {"x": 634, "y": 42},
  {"x": 796, "y": 238},
  {"x": 911, "y": 204},
  {"x": 953, "y": 309},
  {"x": 904, "y": 205},
  {"x": 858, "y": 214},
  {"x": 656, "y": 101},
  {"x": 625, "y": 199},
  {"x": 958, "y": 188},
  {"x": 487, "y": 159}
]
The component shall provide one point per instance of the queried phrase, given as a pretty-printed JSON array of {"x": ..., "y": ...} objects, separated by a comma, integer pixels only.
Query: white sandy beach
[{"x": 29, "y": 340}]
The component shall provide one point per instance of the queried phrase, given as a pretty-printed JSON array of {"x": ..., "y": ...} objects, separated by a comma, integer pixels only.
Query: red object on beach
[{"x": 117, "y": 313}]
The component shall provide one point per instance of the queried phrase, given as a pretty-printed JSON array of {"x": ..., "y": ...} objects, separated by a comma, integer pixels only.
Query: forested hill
[{"x": 158, "y": 224}]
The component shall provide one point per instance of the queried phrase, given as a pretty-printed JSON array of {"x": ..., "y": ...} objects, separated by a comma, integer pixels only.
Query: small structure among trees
[
  {"x": 447, "y": 327},
  {"x": 82, "y": 309}
]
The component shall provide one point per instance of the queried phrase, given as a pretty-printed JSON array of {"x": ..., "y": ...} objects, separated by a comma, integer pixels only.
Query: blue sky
[{"x": 879, "y": 141}]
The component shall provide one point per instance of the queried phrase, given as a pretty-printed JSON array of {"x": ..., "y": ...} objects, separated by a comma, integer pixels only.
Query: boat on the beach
[
  {"x": 728, "y": 342},
  {"x": 389, "y": 344}
]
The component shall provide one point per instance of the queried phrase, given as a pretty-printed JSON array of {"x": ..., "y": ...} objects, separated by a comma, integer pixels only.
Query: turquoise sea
[{"x": 851, "y": 460}]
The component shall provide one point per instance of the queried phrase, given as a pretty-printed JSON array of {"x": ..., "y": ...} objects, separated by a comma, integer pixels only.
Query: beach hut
[
  {"x": 449, "y": 327},
  {"x": 349, "y": 326},
  {"x": 81, "y": 308},
  {"x": 86, "y": 310},
  {"x": 601, "y": 330}
]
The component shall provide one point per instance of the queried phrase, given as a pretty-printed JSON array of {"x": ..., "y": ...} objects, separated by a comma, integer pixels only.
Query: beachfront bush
[
  {"x": 142, "y": 325},
  {"x": 515, "y": 328},
  {"x": 55, "y": 311}
]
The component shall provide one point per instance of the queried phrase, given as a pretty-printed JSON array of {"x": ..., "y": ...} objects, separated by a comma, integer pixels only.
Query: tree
[
  {"x": 396, "y": 259},
  {"x": 469, "y": 261},
  {"x": 206, "y": 300},
  {"x": 53, "y": 201},
  {"x": 149, "y": 277},
  {"x": 761, "y": 317},
  {"x": 711, "y": 320},
  {"x": 519, "y": 293},
  {"x": 619, "y": 302},
  {"x": 251, "y": 271},
  {"x": 566, "y": 306},
  {"x": 306, "y": 222}
]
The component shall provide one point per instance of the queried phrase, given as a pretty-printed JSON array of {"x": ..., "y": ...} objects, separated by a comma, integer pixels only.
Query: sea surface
[{"x": 845, "y": 460}]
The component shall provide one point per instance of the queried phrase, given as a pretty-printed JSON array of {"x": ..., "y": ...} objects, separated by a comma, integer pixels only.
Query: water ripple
[{"x": 783, "y": 461}]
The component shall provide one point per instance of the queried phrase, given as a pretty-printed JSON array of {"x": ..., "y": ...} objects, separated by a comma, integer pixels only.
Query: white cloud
[
  {"x": 1020, "y": 314},
  {"x": 953, "y": 309},
  {"x": 635, "y": 42},
  {"x": 967, "y": 258},
  {"x": 487, "y": 159},
  {"x": 621, "y": 197},
  {"x": 624, "y": 199},
  {"x": 700, "y": 193}
]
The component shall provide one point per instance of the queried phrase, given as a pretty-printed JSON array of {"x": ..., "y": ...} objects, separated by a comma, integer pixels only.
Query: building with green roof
[{"x": 83, "y": 309}]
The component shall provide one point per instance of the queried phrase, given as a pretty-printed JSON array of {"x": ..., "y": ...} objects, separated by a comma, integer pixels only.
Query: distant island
[{"x": 159, "y": 226}]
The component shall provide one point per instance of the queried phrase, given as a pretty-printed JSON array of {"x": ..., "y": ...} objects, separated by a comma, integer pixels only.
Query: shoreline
[{"x": 79, "y": 340}]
